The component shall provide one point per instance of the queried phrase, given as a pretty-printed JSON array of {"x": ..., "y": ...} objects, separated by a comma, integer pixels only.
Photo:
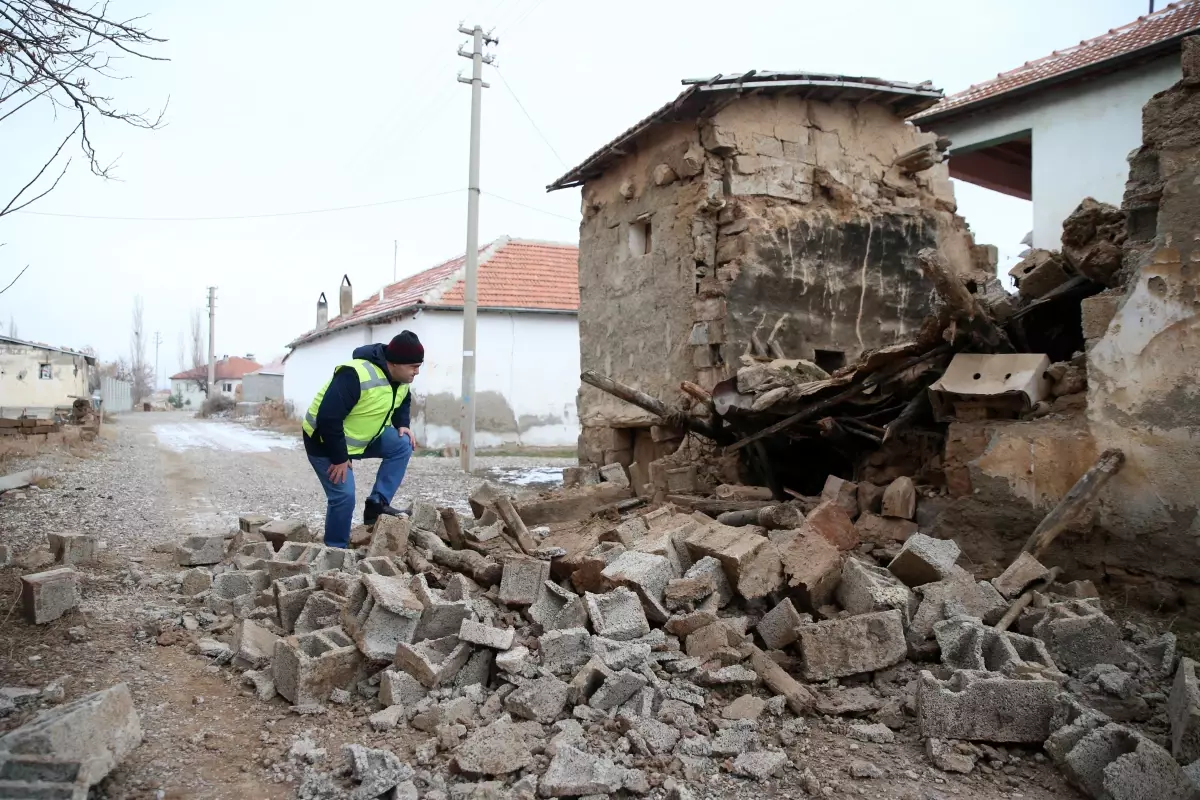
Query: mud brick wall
[{"x": 776, "y": 226}]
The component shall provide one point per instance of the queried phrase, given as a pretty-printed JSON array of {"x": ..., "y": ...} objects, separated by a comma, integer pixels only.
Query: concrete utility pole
[
  {"x": 157, "y": 342},
  {"x": 212, "y": 339},
  {"x": 470, "y": 295}
]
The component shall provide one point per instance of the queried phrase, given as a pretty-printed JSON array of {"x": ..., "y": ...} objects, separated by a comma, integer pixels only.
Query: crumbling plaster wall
[{"x": 24, "y": 383}]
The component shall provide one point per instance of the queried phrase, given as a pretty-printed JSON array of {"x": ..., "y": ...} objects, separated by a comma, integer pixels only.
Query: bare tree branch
[{"x": 14, "y": 280}]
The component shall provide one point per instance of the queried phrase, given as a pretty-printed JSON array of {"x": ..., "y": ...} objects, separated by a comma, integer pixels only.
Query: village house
[
  {"x": 1060, "y": 128},
  {"x": 527, "y": 357},
  {"x": 230, "y": 371},
  {"x": 38, "y": 377},
  {"x": 765, "y": 214},
  {"x": 263, "y": 384}
]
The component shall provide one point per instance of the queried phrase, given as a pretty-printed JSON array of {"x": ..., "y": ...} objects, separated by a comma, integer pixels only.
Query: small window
[
  {"x": 45, "y": 373},
  {"x": 829, "y": 360},
  {"x": 640, "y": 238},
  {"x": 229, "y": 387}
]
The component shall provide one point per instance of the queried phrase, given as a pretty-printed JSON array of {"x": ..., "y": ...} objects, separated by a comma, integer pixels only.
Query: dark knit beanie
[{"x": 405, "y": 348}]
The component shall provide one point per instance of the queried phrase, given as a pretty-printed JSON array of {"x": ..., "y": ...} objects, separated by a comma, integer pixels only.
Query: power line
[
  {"x": 247, "y": 216},
  {"x": 532, "y": 9},
  {"x": 531, "y": 208},
  {"x": 521, "y": 106}
]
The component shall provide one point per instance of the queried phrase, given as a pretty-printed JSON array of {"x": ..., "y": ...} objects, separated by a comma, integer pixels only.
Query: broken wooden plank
[
  {"x": 714, "y": 507},
  {"x": 515, "y": 525},
  {"x": 959, "y": 302},
  {"x": 574, "y": 505},
  {"x": 453, "y": 529},
  {"x": 698, "y": 392},
  {"x": 1026, "y": 598},
  {"x": 910, "y": 412},
  {"x": 479, "y": 568},
  {"x": 853, "y": 391},
  {"x": 648, "y": 403},
  {"x": 1085, "y": 490}
]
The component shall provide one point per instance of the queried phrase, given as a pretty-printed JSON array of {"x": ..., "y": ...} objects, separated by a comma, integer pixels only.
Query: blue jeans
[{"x": 394, "y": 450}]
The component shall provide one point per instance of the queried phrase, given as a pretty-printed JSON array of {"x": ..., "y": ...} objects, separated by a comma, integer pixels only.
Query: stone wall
[{"x": 778, "y": 226}]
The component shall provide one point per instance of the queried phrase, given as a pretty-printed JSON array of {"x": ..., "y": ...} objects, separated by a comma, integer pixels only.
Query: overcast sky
[{"x": 279, "y": 107}]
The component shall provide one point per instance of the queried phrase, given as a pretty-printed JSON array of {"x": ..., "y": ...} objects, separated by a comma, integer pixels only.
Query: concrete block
[
  {"x": 778, "y": 627},
  {"x": 710, "y": 569},
  {"x": 477, "y": 670},
  {"x": 813, "y": 567},
  {"x": 1039, "y": 273},
  {"x": 494, "y": 750},
  {"x": 389, "y": 537},
  {"x": 252, "y": 523},
  {"x": 967, "y": 643},
  {"x": 1019, "y": 576},
  {"x": 385, "y": 614},
  {"x": 900, "y": 499},
  {"x": 686, "y": 593},
  {"x": 321, "y": 610},
  {"x": 523, "y": 580},
  {"x": 832, "y": 523},
  {"x": 195, "y": 581},
  {"x": 280, "y": 531},
  {"x": 760, "y": 766},
  {"x": 425, "y": 516},
  {"x": 733, "y": 547},
  {"x": 645, "y": 574},
  {"x": 668, "y": 545},
  {"x": 883, "y": 530},
  {"x": 1115, "y": 762},
  {"x": 617, "y": 614},
  {"x": 842, "y": 493},
  {"x": 566, "y": 649},
  {"x": 558, "y": 608},
  {"x": 762, "y": 574},
  {"x": 253, "y": 645},
  {"x": 983, "y": 706},
  {"x": 293, "y": 558},
  {"x": 236, "y": 592},
  {"x": 379, "y": 565},
  {"x": 309, "y": 666},
  {"x": 397, "y": 688},
  {"x": 290, "y": 596},
  {"x": 575, "y": 773},
  {"x": 628, "y": 533},
  {"x": 614, "y": 474},
  {"x": 706, "y": 641},
  {"x": 73, "y": 548},
  {"x": 841, "y": 647},
  {"x": 440, "y": 617},
  {"x": 958, "y": 596},
  {"x": 1071, "y": 722},
  {"x": 46, "y": 596},
  {"x": 201, "y": 550},
  {"x": 865, "y": 588},
  {"x": 1183, "y": 709},
  {"x": 1080, "y": 636},
  {"x": 88, "y": 737},
  {"x": 478, "y": 633},
  {"x": 616, "y": 688},
  {"x": 541, "y": 700},
  {"x": 334, "y": 558},
  {"x": 433, "y": 662},
  {"x": 924, "y": 559}
]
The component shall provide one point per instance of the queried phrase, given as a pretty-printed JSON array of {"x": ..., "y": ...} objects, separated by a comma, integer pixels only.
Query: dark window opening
[
  {"x": 829, "y": 360},
  {"x": 45, "y": 373}
]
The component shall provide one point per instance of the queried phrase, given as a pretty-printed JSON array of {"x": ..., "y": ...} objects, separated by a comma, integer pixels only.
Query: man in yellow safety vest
[{"x": 363, "y": 412}]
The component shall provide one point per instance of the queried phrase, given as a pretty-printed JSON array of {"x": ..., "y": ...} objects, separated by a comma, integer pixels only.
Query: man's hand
[
  {"x": 412, "y": 440},
  {"x": 337, "y": 472}
]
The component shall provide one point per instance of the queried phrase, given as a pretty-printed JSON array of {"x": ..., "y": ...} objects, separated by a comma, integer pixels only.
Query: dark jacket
[{"x": 341, "y": 396}]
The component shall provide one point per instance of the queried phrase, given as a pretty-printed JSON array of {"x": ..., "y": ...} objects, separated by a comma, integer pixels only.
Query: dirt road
[{"x": 158, "y": 478}]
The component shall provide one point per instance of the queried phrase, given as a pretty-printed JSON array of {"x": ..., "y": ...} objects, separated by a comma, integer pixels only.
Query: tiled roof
[
  {"x": 537, "y": 276},
  {"x": 1147, "y": 33},
  {"x": 232, "y": 368}
]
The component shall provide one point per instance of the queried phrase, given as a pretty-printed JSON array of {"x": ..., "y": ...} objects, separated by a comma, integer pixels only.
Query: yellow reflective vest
[{"x": 373, "y": 411}]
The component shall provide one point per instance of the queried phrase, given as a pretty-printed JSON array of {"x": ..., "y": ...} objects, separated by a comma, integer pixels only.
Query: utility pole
[
  {"x": 212, "y": 339},
  {"x": 157, "y": 342},
  {"x": 470, "y": 295}
]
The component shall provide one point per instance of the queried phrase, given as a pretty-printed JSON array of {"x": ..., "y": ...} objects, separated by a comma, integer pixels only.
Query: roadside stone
[
  {"x": 1022, "y": 573},
  {"x": 900, "y": 499},
  {"x": 760, "y": 766},
  {"x": 842, "y": 647},
  {"x": 924, "y": 559},
  {"x": 46, "y": 596}
]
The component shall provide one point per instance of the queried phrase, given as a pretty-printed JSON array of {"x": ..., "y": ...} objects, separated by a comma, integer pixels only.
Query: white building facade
[
  {"x": 1060, "y": 129},
  {"x": 527, "y": 351}
]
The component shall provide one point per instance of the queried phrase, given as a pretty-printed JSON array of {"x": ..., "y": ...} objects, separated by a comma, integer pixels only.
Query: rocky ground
[{"x": 159, "y": 478}]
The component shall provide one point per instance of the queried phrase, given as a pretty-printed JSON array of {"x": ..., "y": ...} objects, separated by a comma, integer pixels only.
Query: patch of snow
[
  {"x": 527, "y": 476},
  {"x": 222, "y": 436}
]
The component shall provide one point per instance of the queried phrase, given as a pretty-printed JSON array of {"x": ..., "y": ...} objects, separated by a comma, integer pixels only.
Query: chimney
[
  {"x": 249, "y": 356},
  {"x": 345, "y": 298},
  {"x": 322, "y": 313}
]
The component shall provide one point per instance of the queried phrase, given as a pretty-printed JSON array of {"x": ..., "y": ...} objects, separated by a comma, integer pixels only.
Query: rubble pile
[{"x": 657, "y": 647}]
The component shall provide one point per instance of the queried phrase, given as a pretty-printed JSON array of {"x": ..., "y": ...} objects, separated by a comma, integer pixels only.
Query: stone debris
[
  {"x": 1080, "y": 635},
  {"x": 1020, "y": 575},
  {"x": 984, "y": 706},
  {"x": 900, "y": 499},
  {"x": 73, "y": 548},
  {"x": 46, "y": 596},
  {"x": 760, "y": 766},
  {"x": 1183, "y": 710},
  {"x": 842, "y": 647},
  {"x": 924, "y": 559}
]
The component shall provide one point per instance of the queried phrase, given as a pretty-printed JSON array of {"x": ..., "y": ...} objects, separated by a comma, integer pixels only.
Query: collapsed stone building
[{"x": 767, "y": 213}]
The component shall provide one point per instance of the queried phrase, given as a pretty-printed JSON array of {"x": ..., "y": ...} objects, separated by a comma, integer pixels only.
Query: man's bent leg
[
  {"x": 393, "y": 450},
  {"x": 339, "y": 509}
]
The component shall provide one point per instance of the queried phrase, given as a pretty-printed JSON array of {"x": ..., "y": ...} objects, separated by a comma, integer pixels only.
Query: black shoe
[{"x": 373, "y": 510}]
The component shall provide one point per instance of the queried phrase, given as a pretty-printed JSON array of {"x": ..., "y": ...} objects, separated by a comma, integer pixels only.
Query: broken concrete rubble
[
  {"x": 842, "y": 647},
  {"x": 984, "y": 706},
  {"x": 46, "y": 596},
  {"x": 924, "y": 559}
]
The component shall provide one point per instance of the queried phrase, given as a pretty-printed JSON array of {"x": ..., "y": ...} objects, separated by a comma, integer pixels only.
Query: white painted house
[
  {"x": 1059, "y": 129},
  {"x": 36, "y": 376},
  {"x": 527, "y": 351},
  {"x": 229, "y": 371}
]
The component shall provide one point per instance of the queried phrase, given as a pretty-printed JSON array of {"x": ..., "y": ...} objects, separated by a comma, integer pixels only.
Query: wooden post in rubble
[
  {"x": 959, "y": 301},
  {"x": 1085, "y": 490},
  {"x": 646, "y": 403}
]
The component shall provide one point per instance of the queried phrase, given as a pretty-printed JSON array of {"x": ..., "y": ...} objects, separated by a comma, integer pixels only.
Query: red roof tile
[
  {"x": 1143, "y": 33},
  {"x": 512, "y": 274},
  {"x": 227, "y": 369}
]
